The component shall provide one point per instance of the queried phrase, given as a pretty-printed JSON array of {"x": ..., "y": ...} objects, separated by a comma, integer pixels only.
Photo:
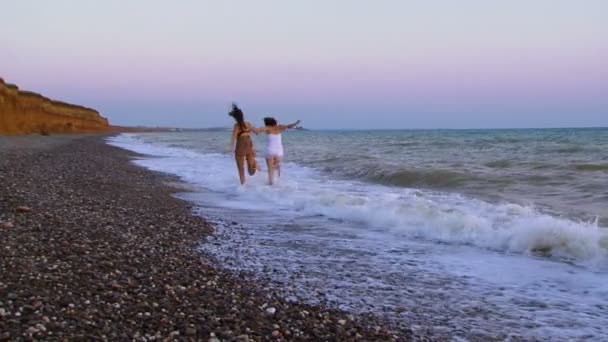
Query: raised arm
[{"x": 286, "y": 127}]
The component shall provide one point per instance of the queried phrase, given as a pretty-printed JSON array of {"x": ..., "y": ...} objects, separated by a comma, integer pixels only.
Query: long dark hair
[{"x": 237, "y": 114}]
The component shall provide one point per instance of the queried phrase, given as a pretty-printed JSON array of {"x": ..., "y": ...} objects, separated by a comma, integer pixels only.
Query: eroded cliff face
[{"x": 23, "y": 112}]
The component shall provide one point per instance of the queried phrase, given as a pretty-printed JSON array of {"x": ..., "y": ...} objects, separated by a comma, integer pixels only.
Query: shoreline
[{"x": 95, "y": 247}]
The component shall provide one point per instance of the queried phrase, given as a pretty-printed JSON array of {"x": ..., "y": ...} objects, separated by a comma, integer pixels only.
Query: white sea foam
[
  {"x": 363, "y": 245},
  {"x": 443, "y": 217}
]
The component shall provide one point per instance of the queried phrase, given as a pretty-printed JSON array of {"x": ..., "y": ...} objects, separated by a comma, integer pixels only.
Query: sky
[{"x": 333, "y": 64}]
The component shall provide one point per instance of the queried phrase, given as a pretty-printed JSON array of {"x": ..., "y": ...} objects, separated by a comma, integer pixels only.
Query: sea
[{"x": 465, "y": 234}]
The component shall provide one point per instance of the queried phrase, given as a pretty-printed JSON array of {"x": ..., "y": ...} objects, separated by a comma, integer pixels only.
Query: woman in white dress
[{"x": 274, "y": 146}]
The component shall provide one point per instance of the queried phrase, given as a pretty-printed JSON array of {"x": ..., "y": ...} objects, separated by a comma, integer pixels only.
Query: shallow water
[{"x": 479, "y": 234}]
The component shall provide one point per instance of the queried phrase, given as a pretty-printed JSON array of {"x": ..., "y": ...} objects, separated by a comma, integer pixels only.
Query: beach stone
[
  {"x": 23, "y": 209},
  {"x": 190, "y": 331},
  {"x": 7, "y": 225},
  {"x": 31, "y": 331},
  {"x": 271, "y": 311},
  {"x": 242, "y": 338},
  {"x": 11, "y": 296}
]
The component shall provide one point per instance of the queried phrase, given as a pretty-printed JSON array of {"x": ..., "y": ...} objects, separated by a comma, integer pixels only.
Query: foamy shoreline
[{"x": 435, "y": 260}]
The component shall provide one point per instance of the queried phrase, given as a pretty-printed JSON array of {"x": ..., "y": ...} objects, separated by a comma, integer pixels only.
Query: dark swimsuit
[
  {"x": 244, "y": 145},
  {"x": 244, "y": 150}
]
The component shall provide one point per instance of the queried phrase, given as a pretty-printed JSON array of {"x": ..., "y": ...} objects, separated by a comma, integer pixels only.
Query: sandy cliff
[{"x": 23, "y": 112}]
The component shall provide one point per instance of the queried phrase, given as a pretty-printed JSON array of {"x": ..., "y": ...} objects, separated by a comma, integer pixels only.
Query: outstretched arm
[
  {"x": 257, "y": 130},
  {"x": 286, "y": 127}
]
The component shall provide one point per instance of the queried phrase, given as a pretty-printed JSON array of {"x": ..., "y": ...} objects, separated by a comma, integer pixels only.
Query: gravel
[{"x": 93, "y": 247}]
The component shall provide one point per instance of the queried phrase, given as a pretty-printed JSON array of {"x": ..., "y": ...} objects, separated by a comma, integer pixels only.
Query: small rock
[
  {"x": 7, "y": 225},
  {"x": 271, "y": 311},
  {"x": 3, "y": 312},
  {"x": 191, "y": 331},
  {"x": 341, "y": 321},
  {"x": 12, "y": 296},
  {"x": 23, "y": 209},
  {"x": 242, "y": 338},
  {"x": 276, "y": 333},
  {"x": 41, "y": 327},
  {"x": 214, "y": 339}
]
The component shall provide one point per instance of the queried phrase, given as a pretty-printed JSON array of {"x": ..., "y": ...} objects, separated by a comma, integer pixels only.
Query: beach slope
[{"x": 95, "y": 248}]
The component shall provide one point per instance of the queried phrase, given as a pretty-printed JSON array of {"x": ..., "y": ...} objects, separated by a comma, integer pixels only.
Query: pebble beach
[{"x": 93, "y": 247}]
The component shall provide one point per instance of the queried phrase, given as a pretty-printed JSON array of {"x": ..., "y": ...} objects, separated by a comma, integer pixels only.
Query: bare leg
[
  {"x": 251, "y": 164},
  {"x": 277, "y": 165},
  {"x": 240, "y": 165},
  {"x": 270, "y": 165}
]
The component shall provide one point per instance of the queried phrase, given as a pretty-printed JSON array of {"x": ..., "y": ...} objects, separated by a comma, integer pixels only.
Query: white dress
[{"x": 274, "y": 146}]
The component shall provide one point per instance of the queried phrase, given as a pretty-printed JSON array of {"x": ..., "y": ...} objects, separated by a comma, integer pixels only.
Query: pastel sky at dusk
[{"x": 333, "y": 64}]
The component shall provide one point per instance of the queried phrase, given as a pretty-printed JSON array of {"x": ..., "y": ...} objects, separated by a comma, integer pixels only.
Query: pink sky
[{"x": 136, "y": 61}]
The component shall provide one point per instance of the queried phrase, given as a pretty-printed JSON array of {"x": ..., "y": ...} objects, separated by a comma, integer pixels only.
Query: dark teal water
[
  {"x": 560, "y": 171},
  {"x": 564, "y": 171}
]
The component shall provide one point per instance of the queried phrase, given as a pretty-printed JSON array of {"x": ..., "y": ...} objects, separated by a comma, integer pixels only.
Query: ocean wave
[
  {"x": 402, "y": 177},
  {"x": 570, "y": 149},
  {"x": 451, "y": 219},
  {"x": 591, "y": 167},
  {"x": 393, "y": 212},
  {"x": 499, "y": 164},
  {"x": 542, "y": 166},
  {"x": 404, "y": 144},
  {"x": 430, "y": 178}
]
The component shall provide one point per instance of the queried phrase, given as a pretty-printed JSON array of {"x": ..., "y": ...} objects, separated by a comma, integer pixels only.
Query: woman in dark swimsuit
[{"x": 243, "y": 151}]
